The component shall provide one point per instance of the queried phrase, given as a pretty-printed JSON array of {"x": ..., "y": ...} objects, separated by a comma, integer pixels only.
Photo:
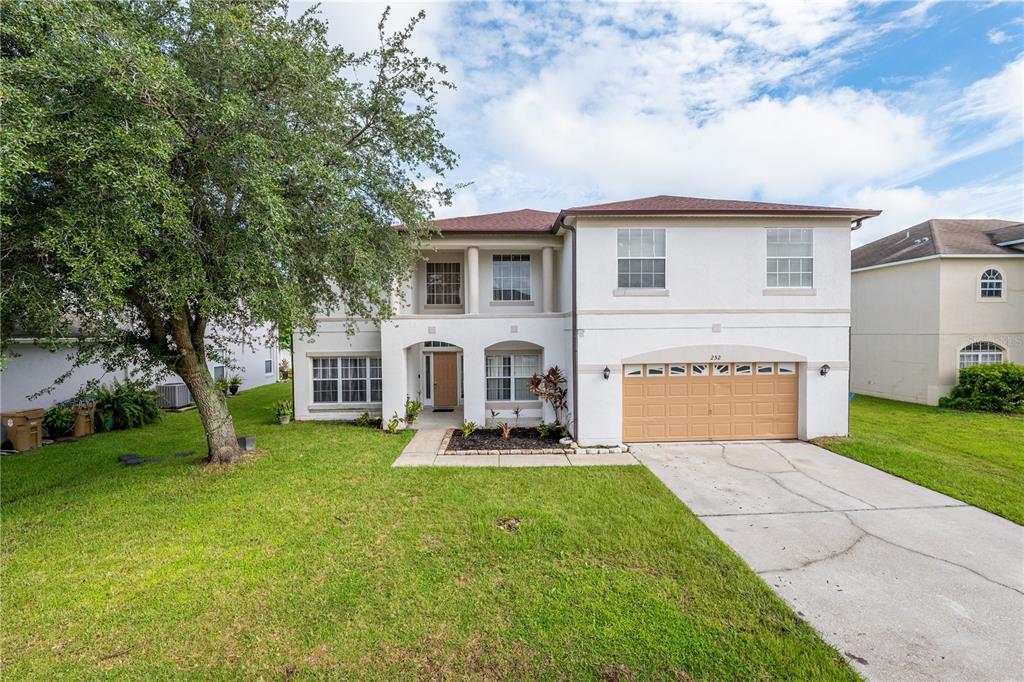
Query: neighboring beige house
[{"x": 931, "y": 299}]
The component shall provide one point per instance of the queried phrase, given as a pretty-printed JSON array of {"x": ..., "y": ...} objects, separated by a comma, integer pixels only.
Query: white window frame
[
  {"x": 702, "y": 373},
  {"x": 371, "y": 378},
  {"x": 677, "y": 370},
  {"x": 721, "y": 369},
  {"x": 509, "y": 380},
  {"x": 770, "y": 366},
  {"x": 774, "y": 264},
  {"x": 221, "y": 370},
  {"x": 999, "y": 278},
  {"x": 655, "y": 370},
  {"x": 446, "y": 295},
  {"x": 636, "y": 256},
  {"x": 980, "y": 353},
  {"x": 738, "y": 372},
  {"x": 505, "y": 290},
  {"x": 787, "y": 368},
  {"x": 633, "y": 370}
]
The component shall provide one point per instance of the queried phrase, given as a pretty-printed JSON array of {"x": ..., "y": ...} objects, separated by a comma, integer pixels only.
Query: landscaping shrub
[
  {"x": 59, "y": 421},
  {"x": 988, "y": 388},
  {"x": 125, "y": 406}
]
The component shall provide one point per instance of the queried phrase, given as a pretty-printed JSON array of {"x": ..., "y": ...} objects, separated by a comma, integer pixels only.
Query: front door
[{"x": 446, "y": 379}]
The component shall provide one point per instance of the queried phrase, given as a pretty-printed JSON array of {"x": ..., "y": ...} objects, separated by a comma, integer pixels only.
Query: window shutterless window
[
  {"x": 698, "y": 370},
  {"x": 991, "y": 284},
  {"x": 790, "y": 257},
  {"x": 508, "y": 376},
  {"x": 510, "y": 277},
  {"x": 444, "y": 283},
  {"x": 980, "y": 353},
  {"x": 641, "y": 253},
  {"x": 677, "y": 370},
  {"x": 633, "y": 370},
  {"x": 218, "y": 372},
  {"x": 347, "y": 380},
  {"x": 268, "y": 366}
]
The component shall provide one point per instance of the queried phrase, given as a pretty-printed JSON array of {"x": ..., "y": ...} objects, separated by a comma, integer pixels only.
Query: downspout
[
  {"x": 291, "y": 352},
  {"x": 575, "y": 342}
]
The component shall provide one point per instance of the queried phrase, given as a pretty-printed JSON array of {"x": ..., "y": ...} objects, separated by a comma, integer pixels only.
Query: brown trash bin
[
  {"x": 84, "y": 415},
  {"x": 25, "y": 428}
]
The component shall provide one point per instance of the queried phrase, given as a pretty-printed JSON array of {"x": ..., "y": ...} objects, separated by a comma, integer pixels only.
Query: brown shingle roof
[
  {"x": 934, "y": 237},
  {"x": 524, "y": 220},
  {"x": 666, "y": 204},
  {"x": 1010, "y": 233}
]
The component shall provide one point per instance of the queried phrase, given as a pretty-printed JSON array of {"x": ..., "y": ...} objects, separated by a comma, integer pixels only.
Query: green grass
[
  {"x": 972, "y": 456},
  {"x": 320, "y": 560}
]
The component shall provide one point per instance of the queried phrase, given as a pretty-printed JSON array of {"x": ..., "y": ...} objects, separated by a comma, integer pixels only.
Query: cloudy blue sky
[{"x": 916, "y": 108}]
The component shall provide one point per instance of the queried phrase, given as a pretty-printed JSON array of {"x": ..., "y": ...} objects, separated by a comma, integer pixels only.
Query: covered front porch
[{"x": 464, "y": 378}]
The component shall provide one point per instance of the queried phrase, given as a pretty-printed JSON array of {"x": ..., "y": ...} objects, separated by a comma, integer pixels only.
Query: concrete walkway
[
  {"x": 422, "y": 450},
  {"x": 908, "y": 584}
]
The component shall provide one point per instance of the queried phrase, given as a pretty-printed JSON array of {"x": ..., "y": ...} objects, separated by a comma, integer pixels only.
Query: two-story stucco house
[
  {"x": 674, "y": 318},
  {"x": 933, "y": 298}
]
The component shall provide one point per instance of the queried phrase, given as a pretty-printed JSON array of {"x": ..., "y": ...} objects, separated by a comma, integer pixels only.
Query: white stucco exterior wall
[{"x": 716, "y": 303}]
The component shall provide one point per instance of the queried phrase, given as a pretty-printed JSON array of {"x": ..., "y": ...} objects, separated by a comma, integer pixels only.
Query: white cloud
[
  {"x": 912, "y": 205},
  {"x": 997, "y": 37}
]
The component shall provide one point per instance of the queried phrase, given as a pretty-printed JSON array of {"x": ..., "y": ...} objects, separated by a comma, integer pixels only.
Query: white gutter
[{"x": 979, "y": 256}]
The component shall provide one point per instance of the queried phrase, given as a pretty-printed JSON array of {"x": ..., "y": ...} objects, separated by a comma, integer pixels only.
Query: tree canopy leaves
[{"x": 179, "y": 172}]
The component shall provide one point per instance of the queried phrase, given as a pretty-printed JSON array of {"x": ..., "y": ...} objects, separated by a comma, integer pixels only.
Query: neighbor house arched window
[
  {"x": 980, "y": 353},
  {"x": 991, "y": 284}
]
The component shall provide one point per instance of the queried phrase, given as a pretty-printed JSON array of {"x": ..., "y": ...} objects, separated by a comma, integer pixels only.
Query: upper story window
[
  {"x": 510, "y": 277},
  {"x": 641, "y": 258},
  {"x": 991, "y": 284},
  {"x": 980, "y": 353},
  {"x": 790, "y": 257},
  {"x": 444, "y": 283}
]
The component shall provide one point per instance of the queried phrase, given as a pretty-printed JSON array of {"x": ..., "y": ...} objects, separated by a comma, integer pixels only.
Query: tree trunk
[{"x": 213, "y": 410}]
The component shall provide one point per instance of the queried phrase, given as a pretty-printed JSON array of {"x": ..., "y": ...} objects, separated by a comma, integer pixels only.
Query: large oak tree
[{"x": 177, "y": 173}]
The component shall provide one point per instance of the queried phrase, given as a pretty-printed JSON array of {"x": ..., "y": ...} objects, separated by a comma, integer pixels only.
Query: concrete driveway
[{"x": 908, "y": 584}]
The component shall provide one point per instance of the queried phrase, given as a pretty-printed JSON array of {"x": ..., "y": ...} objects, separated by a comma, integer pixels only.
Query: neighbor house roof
[
  {"x": 938, "y": 237},
  {"x": 664, "y": 204},
  {"x": 523, "y": 220},
  {"x": 1011, "y": 234}
]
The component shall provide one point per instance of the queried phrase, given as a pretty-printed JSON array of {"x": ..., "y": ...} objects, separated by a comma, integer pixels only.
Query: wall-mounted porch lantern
[
  {"x": 606, "y": 373},
  {"x": 824, "y": 370}
]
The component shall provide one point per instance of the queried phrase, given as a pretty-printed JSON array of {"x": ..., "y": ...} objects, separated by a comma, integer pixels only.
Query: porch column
[
  {"x": 547, "y": 261},
  {"x": 473, "y": 280},
  {"x": 393, "y": 381},
  {"x": 473, "y": 409}
]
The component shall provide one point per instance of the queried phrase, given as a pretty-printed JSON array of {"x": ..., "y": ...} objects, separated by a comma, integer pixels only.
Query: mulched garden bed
[{"x": 491, "y": 439}]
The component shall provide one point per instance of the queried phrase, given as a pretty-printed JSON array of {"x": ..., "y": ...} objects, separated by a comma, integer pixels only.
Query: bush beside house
[{"x": 988, "y": 388}]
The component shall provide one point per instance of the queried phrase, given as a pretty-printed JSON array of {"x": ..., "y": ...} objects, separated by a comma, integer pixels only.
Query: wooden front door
[{"x": 446, "y": 379}]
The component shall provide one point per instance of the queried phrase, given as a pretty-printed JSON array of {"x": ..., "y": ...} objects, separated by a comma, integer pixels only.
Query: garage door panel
[{"x": 709, "y": 407}]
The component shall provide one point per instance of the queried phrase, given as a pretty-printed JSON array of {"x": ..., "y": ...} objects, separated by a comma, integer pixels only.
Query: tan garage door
[{"x": 709, "y": 401}]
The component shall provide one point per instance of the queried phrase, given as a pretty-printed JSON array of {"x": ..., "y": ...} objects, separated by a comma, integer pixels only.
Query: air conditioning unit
[{"x": 173, "y": 396}]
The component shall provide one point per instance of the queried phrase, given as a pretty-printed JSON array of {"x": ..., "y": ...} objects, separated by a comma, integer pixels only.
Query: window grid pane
[
  {"x": 992, "y": 284},
  {"x": 510, "y": 276},
  {"x": 444, "y": 283},
  {"x": 641, "y": 253},
  {"x": 790, "y": 261}
]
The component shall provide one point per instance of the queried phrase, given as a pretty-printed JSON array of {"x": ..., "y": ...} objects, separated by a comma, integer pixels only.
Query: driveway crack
[
  {"x": 930, "y": 556},
  {"x": 768, "y": 476},
  {"x": 833, "y": 488}
]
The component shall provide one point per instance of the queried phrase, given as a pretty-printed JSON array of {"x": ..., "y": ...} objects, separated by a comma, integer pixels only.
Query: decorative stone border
[{"x": 573, "y": 449}]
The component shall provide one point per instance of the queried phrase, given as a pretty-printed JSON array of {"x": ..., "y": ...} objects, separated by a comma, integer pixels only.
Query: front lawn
[
  {"x": 972, "y": 456},
  {"x": 319, "y": 559}
]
